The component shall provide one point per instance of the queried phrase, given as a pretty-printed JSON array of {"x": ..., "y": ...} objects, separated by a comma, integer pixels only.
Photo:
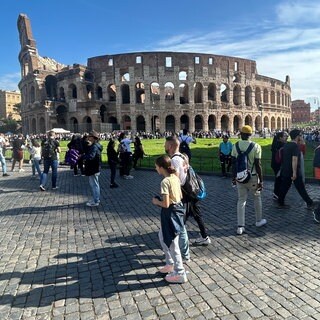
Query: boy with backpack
[
  {"x": 185, "y": 141},
  {"x": 247, "y": 175}
]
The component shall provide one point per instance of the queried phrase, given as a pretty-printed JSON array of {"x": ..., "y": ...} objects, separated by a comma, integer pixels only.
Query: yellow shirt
[{"x": 171, "y": 186}]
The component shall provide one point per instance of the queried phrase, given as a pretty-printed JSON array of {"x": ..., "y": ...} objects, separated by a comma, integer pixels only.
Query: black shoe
[
  {"x": 114, "y": 185},
  {"x": 6, "y": 175}
]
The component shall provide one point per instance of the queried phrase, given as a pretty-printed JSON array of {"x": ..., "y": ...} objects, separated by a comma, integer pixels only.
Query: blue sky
[{"x": 283, "y": 37}]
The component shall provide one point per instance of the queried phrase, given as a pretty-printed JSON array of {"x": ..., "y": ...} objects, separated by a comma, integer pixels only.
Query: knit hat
[
  {"x": 246, "y": 129},
  {"x": 94, "y": 134}
]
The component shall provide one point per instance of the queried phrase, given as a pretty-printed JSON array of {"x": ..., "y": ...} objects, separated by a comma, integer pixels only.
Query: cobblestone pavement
[{"x": 62, "y": 260}]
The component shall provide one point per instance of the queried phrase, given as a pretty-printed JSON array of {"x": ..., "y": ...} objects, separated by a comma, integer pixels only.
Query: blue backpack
[{"x": 194, "y": 186}]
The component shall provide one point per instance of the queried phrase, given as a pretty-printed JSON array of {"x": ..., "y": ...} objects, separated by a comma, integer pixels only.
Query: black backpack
[
  {"x": 48, "y": 149},
  {"x": 243, "y": 169},
  {"x": 184, "y": 148}
]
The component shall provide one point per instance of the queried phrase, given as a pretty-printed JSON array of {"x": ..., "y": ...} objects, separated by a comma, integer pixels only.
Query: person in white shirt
[{"x": 3, "y": 144}]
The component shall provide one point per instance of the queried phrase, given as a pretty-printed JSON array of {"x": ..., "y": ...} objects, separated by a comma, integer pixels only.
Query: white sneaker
[
  {"x": 21, "y": 170},
  {"x": 202, "y": 241},
  {"x": 261, "y": 223},
  {"x": 92, "y": 204},
  {"x": 240, "y": 230},
  {"x": 128, "y": 177}
]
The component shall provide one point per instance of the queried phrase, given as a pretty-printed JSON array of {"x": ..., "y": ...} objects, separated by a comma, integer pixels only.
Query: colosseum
[{"x": 147, "y": 91}]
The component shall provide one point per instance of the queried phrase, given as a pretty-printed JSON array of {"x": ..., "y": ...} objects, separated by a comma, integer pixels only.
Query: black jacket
[{"x": 92, "y": 159}]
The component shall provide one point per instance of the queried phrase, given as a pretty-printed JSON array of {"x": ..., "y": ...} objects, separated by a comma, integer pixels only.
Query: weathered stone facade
[
  {"x": 8, "y": 102},
  {"x": 148, "y": 91}
]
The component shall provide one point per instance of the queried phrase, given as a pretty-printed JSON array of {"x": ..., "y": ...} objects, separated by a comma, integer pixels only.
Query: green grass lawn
[{"x": 204, "y": 154}]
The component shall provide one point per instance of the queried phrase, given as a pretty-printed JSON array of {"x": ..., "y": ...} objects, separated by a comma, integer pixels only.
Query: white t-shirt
[
  {"x": 179, "y": 164},
  {"x": 126, "y": 142},
  {"x": 187, "y": 139}
]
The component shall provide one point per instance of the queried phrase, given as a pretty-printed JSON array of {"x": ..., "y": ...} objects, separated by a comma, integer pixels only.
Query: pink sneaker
[
  {"x": 176, "y": 278},
  {"x": 166, "y": 269}
]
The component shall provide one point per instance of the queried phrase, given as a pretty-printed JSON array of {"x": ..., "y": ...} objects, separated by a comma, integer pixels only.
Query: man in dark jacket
[{"x": 92, "y": 162}]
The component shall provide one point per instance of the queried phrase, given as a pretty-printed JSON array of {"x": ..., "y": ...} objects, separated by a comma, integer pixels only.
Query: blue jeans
[
  {"x": 184, "y": 243},
  {"x": 95, "y": 187},
  {"x": 47, "y": 163},
  {"x": 3, "y": 162},
  {"x": 36, "y": 166}
]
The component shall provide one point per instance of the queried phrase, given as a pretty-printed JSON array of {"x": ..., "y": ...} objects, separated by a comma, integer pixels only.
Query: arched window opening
[
  {"x": 184, "y": 93},
  {"x": 278, "y": 98},
  {"x": 62, "y": 96},
  {"x": 236, "y": 123},
  {"x": 154, "y": 92},
  {"x": 170, "y": 123},
  {"x": 224, "y": 93},
  {"x": 198, "y": 90},
  {"x": 125, "y": 92},
  {"x": 141, "y": 124},
  {"x": 112, "y": 92},
  {"x": 125, "y": 77},
  {"x": 126, "y": 122},
  {"x": 212, "y": 122},
  {"x": 140, "y": 94},
  {"x": 89, "y": 89},
  {"x": 279, "y": 123},
  {"x": 224, "y": 123},
  {"x": 258, "y": 96},
  {"x": 248, "y": 96},
  {"x": 184, "y": 122},
  {"x": 74, "y": 125},
  {"x": 169, "y": 91},
  {"x": 99, "y": 93},
  {"x": 198, "y": 122},
  {"x": 73, "y": 94},
  {"x": 248, "y": 121},
  {"x": 87, "y": 121},
  {"x": 272, "y": 97},
  {"x": 273, "y": 123},
  {"x": 51, "y": 87},
  {"x": 61, "y": 112},
  {"x": 88, "y": 76},
  {"x": 237, "y": 95},
  {"x": 183, "y": 75},
  {"x": 32, "y": 95},
  {"x": 103, "y": 110},
  {"x": 265, "y": 96},
  {"x": 212, "y": 92}
]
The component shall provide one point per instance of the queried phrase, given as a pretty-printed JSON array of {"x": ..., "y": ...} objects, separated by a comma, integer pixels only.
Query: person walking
[
  {"x": 92, "y": 164},
  {"x": 35, "y": 151},
  {"x": 3, "y": 144},
  {"x": 278, "y": 143},
  {"x": 185, "y": 139},
  {"x": 254, "y": 184},
  {"x": 291, "y": 172},
  {"x": 18, "y": 145},
  {"x": 125, "y": 156},
  {"x": 225, "y": 149},
  {"x": 172, "y": 211},
  {"x": 138, "y": 152},
  {"x": 50, "y": 148},
  {"x": 113, "y": 160}
]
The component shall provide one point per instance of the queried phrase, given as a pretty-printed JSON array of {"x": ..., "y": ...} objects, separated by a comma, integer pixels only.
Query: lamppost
[{"x": 260, "y": 107}]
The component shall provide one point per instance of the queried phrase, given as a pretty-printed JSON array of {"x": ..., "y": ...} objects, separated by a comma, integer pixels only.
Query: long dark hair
[
  {"x": 165, "y": 163},
  {"x": 110, "y": 144},
  {"x": 276, "y": 143}
]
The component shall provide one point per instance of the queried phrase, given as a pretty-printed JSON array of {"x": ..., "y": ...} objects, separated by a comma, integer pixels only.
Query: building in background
[
  {"x": 147, "y": 92},
  {"x": 8, "y": 102},
  {"x": 301, "y": 111}
]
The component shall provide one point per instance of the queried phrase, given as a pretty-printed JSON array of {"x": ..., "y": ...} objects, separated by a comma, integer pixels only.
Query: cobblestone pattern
[{"x": 62, "y": 260}]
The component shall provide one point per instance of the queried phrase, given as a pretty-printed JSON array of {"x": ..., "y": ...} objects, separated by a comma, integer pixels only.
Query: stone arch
[
  {"x": 184, "y": 122},
  {"x": 212, "y": 122},
  {"x": 184, "y": 93},
  {"x": 125, "y": 93},
  {"x": 278, "y": 123},
  {"x": 237, "y": 95},
  {"x": 62, "y": 116},
  {"x": 273, "y": 123},
  {"x": 99, "y": 93},
  {"x": 198, "y": 89},
  {"x": 112, "y": 92},
  {"x": 278, "y": 98},
  {"x": 258, "y": 96},
  {"x": 87, "y": 121},
  {"x": 141, "y": 123},
  {"x": 34, "y": 125},
  {"x": 126, "y": 120},
  {"x": 198, "y": 122},
  {"x": 283, "y": 124},
  {"x": 170, "y": 123},
  {"x": 169, "y": 91},
  {"x": 62, "y": 96},
  {"x": 212, "y": 92},
  {"x": 155, "y": 123},
  {"x": 248, "y": 96},
  {"x": 236, "y": 123},
  {"x": 258, "y": 123},
  {"x": 224, "y": 93},
  {"x": 74, "y": 125},
  {"x": 265, "y": 96},
  {"x": 154, "y": 92},
  {"x": 42, "y": 125},
  {"x": 89, "y": 91},
  {"x": 272, "y": 97},
  {"x": 88, "y": 76},
  {"x": 224, "y": 123},
  {"x": 140, "y": 94},
  {"x": 72, "y": 91},
  {"x": 265, "y": 122},
  {"x": 51, "y": 87},
  {"x": 112, "y": 120},
  {"x": 103, "y": 110},
  {"x": 248, "y": 120}
]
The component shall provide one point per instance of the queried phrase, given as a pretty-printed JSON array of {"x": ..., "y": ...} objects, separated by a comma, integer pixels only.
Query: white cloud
[
  {"x": 292, "y": 12},
  {"x": 10, "y": 81}
]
